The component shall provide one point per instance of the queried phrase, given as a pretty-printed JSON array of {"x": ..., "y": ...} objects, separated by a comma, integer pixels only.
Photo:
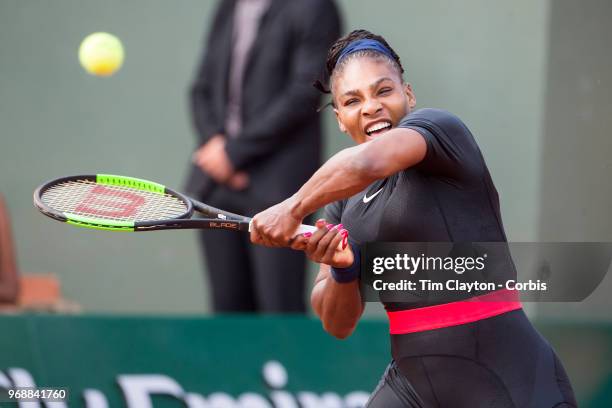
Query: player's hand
[
  {"x": 276, "y": 226},
  {"x": 327, "y": 245}
]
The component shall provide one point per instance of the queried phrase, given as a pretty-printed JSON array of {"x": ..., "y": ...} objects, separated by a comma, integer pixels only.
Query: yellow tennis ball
[{"x": 101, "y": 54}]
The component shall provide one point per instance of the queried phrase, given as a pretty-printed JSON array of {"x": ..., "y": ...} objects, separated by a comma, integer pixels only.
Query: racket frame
[
  {"x": 109, "y": 225},
  {"x": 217, "y": 219}
]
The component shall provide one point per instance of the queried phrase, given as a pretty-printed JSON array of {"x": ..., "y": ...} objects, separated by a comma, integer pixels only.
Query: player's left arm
[
  {"x": 338, "y": 305},
  {"x": 316, "y": 25}
]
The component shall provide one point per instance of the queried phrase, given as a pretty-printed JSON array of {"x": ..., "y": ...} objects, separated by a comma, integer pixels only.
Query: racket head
[{"x": 110, "y": 202}]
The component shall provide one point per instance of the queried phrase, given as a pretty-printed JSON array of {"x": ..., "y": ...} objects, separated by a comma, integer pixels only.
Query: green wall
[
  {"x": 486, "y": 61},
  {"x": 57, "y": 120}
]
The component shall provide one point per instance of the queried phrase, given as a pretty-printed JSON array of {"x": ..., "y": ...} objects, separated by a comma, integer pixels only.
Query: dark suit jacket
[{"x": 280, "y": 142}]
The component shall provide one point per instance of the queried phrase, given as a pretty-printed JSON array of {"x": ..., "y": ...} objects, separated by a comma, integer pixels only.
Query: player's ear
[
  {"x": 340, "y": 124},
  {"x": 410, "y": 94}
]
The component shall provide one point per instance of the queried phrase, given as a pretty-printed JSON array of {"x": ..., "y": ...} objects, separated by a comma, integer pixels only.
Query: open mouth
[{"x": 378, "y": 128}]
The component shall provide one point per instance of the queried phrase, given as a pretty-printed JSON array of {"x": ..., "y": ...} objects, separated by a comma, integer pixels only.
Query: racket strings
[{"x": 115, "y": 203}]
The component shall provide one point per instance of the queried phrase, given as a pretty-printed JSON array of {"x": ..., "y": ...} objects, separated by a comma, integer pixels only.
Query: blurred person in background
[{"x": 259, "y": 138}]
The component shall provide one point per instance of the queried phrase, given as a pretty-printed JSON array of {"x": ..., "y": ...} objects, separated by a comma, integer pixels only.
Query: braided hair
[{"x": 333, "y": 67}]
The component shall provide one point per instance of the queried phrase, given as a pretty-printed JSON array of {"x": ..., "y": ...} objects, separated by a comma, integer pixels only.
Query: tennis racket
[{"x": 118, "y": 203}]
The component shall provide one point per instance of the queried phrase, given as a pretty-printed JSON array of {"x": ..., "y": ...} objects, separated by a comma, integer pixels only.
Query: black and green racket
[{"x": 118, "y": 203}]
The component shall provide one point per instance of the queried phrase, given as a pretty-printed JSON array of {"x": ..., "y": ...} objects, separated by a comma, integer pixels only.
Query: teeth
[{"x": 378, "y": 126}]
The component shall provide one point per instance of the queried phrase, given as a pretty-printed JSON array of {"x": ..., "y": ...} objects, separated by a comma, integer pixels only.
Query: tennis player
[{"x": 414, "y": 175}]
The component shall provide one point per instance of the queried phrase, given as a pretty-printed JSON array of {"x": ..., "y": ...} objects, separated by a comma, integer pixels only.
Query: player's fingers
[
  {"x": 320, "y": 223},
  {"x": 258, "y": 233},
  {"x": 267, "y": 242},
  {"x": 265, "y": 232},
  {"x": 265, "y": 237},
  {"x": 322, "y": 229},
  {"x": 255, "y": 237},
  {"x": 275, "y": 237},
  {"x": 332, "y": 231},
  {"x": 332, "y": 248},
  {"x": 300, "y": 241}
]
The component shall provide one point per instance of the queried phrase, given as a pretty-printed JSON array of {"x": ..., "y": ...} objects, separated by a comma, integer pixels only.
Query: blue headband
[{"x": 365, "y": 44}]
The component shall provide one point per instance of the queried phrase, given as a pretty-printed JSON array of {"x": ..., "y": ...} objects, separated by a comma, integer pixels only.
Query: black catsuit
[{"x": 496, "y": 362}]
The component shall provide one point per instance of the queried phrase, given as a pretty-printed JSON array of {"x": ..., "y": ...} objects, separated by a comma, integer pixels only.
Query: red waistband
[{"x": 455, "y": 313}]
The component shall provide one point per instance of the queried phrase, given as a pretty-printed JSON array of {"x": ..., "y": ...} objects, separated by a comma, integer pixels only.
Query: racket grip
[
  {"x": 311, "y": 228},
  {"x": 301, "y": 229},
  {"x": 306, "y": 228}
]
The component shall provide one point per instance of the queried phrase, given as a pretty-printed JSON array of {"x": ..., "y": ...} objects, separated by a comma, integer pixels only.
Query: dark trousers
[{"x": 251, "y": 278}]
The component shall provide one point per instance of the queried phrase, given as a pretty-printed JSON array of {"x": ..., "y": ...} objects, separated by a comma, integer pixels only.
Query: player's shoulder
[
  {"x": 439, "y": 122},
  {"x": 434, "y": 115}
]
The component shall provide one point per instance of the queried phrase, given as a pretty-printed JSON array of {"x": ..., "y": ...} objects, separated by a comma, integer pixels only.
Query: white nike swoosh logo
[{"x": 367, "y": 199}]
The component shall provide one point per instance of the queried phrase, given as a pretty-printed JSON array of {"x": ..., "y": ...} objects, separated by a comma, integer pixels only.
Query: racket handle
[
  {"x": 301, "y": 229},
  {"x": 311, "y": 228},
  {"x": 306, "y": 228}
]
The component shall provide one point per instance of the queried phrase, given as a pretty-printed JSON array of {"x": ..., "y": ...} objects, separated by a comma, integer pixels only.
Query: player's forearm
[
  {"x": 343, "y": 175},
  {"x": 338, "y": 305},
  {"x": 353, "y": 169}
]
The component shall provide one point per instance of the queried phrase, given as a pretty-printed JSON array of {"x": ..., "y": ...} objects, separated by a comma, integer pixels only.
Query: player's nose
[{"x": 371, "y": 107}]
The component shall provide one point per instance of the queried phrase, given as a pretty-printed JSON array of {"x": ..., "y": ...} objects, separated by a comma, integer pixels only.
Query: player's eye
[
  {"x": 351, "y": 101},
  {"x": 385, "y": 91}
]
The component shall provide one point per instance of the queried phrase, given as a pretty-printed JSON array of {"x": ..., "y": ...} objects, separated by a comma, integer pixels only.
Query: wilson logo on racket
[{"x": 111, "y": 203}]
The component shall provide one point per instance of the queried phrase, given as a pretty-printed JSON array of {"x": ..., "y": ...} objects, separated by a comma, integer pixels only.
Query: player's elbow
[
  {"x": 340, "y": 325},
  {"x": 340, "y": 331}
]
